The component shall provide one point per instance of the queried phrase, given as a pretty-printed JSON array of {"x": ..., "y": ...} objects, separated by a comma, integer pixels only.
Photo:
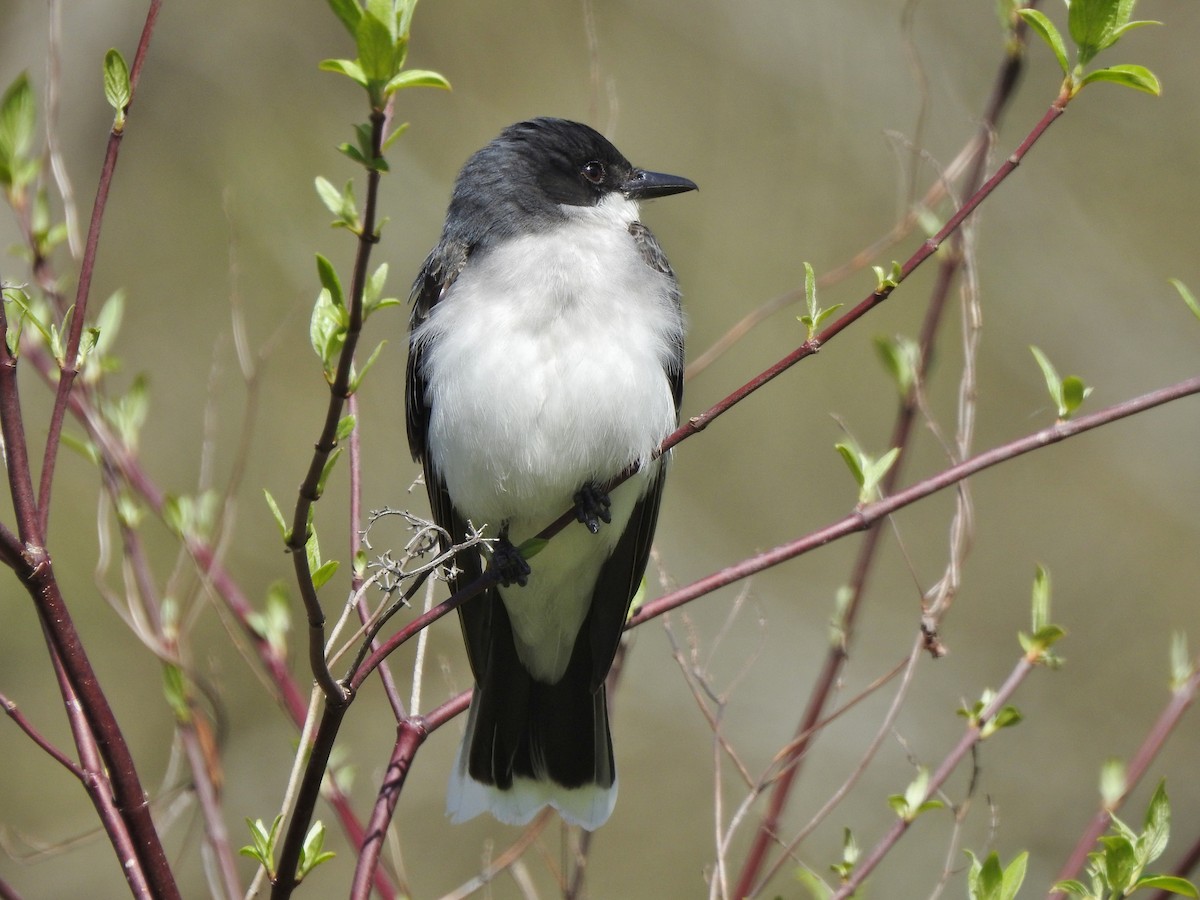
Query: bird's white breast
[{"x": 544, "y": 366}]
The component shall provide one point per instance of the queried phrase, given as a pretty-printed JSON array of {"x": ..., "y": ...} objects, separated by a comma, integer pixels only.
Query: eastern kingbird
[{"x": 545, "y": 358}]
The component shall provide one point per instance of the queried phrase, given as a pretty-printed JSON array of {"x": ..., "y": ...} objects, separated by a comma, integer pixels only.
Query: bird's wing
[
  {"x": 654, "y": 257},
  {"x": 439, "y": 272}
]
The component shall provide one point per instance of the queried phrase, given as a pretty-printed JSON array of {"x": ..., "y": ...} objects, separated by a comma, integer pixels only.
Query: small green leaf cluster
[
  {"x": 1067, "y": 393},
  {"x": 888, "y": 280},
  {"x": 1118, "y": 868},
  {"x": 915, "y": 799},
  {"x": 1037, "y": 645},
  {"x": 275, "y": 621},
  {"x": 380, "y": 29},
  {"x": 321, "y": 571},
  {"x": 263, "y": 848},
  {"x": 988, "y": 881},
  {"x": 867, "y": 470},
  {"x": 1004, "y": 717},
  {"x": 843, "y": 869},
  {"x": 192, "y": 518},
  {"x": 815, "y": 316},
  {"x": 20, "y": 169},
  {"x": 126, "y": 413},
  {"x": 330, "y": 320},
  {"x": 1094, "y": 25}
]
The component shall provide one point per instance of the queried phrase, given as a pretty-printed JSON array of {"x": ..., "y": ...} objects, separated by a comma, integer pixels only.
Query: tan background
[{"x": 782, "y": 112}]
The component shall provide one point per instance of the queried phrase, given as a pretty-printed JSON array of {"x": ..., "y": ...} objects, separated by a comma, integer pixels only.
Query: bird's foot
[
  {"x": 508, "y": 562},
  {"x": 592, "y": 507}
]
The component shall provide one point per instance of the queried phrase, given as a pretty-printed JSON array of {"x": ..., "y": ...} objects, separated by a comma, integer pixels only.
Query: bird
[{"x": 546, "y": 349}]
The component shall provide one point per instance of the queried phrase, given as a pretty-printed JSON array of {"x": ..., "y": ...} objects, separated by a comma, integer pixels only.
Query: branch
[
  {"x": 69, "y": 365},
  {"x": 867, "y": 514},
  {"x": 339, "y": 391}
]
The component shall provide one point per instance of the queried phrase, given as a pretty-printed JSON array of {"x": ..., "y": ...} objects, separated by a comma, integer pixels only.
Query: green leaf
[
  {"x": 349, "y": 12},
  {"x": 1071, "y": 886},
  {"x": 1053, "y": 382},
  {"x": 1045, "y": 29},
  {"x": 532, "y": 547},
  {"x": 357, "y": 377},
  {"x": 108, "y": 324},
  {"x": 912, "y": 803},
  {"x": 411, "y": 78},
  {"x": 396, "y": 132},
  {"x": 284, "y": 531},
  {"x": 815, "y": 316},
  {"x": 1137, "y": 77},
  {"x": 1171, "y": 883},
  {"x": 851, "y": 457},
  {"x": 1157, "y": 827},
  {"x": 1188, "y": 297},
  {"x": 175, "y": 690},
  {"x": 354, "y": 153},
  {"x": 329, "y": 195},
  {"x": 327, "y": 469},
  {"x": 1005, "y": 717},
  {"x": 348, "y": 67},
  {"x": 345, "y": 427},
  {"x": 1092, "y": 25},
  {"x": 376, "y": 48},
  {"x": 1074, "y": 392},
  {"x": 814, "y": 884},
  {"x": 312, "y": 853},
  {"x": 116, "y": 83},
  {"x": 868, "y": 472},
  {"x": 18, "y": 123},
  {"x": 1014, "y": 876},
  {"x": 1041, "y": 597},
  {"x": 323, "y": 572},
  {"x": 329, "y": 280},
  {"x": 327, "y": 330},
  {"x": 873, "y": 473},
  {"x": 263, "y": 848},
  {"x": 901, "y": 357},
  {"x": 1120, "y": 862}
]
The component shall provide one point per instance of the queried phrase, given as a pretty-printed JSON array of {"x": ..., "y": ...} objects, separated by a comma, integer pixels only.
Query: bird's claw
[
  {"x": 508, "y": 562},
  {"x": 592, "y": 506}
]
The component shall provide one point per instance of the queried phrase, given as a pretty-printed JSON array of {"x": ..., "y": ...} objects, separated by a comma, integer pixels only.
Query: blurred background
[{"x": 799, "y": 121}]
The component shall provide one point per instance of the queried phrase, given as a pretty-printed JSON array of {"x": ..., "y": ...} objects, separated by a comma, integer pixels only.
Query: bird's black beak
[{"x": 643, "y": 185}]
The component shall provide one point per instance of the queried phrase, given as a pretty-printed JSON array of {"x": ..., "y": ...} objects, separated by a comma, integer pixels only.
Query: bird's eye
[{"x": 594, "y": 171}]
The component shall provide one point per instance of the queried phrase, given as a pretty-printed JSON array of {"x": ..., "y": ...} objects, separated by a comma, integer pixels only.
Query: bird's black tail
[{"x": 530, "y": 744}]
